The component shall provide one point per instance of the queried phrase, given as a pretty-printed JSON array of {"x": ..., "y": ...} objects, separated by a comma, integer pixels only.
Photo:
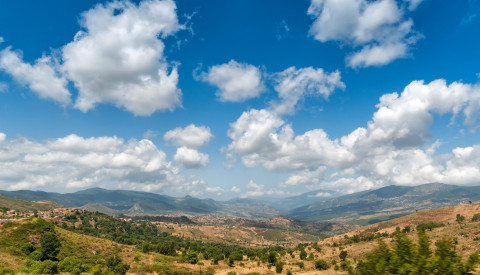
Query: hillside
[
  {"x": 26, "y": 205},
  {"x": 22, "y": 245},
  {"x": 386, "y": 203}
]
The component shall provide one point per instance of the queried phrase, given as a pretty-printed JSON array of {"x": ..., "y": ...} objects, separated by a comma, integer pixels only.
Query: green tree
[
  {"x": 50, "y": 246},
  {"x": 115, "y": 265},
  {"x": 321, "y": 265},
  {"x": 404, "y": 256},
  {"x": 343, "y": 255},
  {"x": 446, "y": 260},
  {"x": 272, "y": 257},
  {"x": 279, "y": 267},
  {"x": 303, "y": 254},
  {"x": 423, "y": 254},
  {"x": 377, "y": 262}
]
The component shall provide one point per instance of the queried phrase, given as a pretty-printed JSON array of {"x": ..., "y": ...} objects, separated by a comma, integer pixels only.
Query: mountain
[
  {"x": 389, "y": 202},
  {"x": 115, "y": 202},
  {"x": 289, "y": 203}
]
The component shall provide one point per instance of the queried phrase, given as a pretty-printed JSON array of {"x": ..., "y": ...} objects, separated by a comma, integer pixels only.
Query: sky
[{"x": 251, "y": 99}]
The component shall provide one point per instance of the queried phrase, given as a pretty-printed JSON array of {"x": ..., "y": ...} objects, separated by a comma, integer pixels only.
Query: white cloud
[
  {"x": 293, "y": 84},
  {"x": 235, "y": 189},
  {"x": 190, "y": 136},
  {"x": 149, "y": 134},
  {"x": 283, "y": 30},
  {"x": 236, "y": 82},
  {"x": 323, "y": 195},
  {"x": 392, "y": 149},
  {"x": 3, "y": 87},
  {"x": 40, "y": 77},
  {"x": 413, "y": 4},
  {"x": 74, "y": 162},
  {"x": 258, "y": 190},
  {"x": 190, "y": 158},
  {"x": 307, "y": 177},
  {"x": 119, "y": 58},
  {"x": 379, "y": 28}
]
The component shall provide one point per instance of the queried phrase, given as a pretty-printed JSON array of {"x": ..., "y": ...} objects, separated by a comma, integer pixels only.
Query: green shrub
[
  {"x": 321, "y": 265},
  {"x": 6, "y": 270}
]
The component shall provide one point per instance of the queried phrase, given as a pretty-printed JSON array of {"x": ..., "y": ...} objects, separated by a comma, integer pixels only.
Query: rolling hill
[
  {"x": 26, "y": 205},
  {"x": 115, "y": 202},
  {"x": 386, "y": 203}
]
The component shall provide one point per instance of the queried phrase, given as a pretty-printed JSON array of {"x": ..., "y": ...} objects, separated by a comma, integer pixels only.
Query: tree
[
  {"x": 272, "y": 257},
  {"x": 377, "y": 262},
  {"x": 423, "y": 254},
  {"x": 279, "y": 267},
  {"x": 343, "y": 255},
  {"x": 303, "y": 254},
  {"x": 115, "y": 265},
  {"x": 403, "y": 259},
  {"x": 321, "y": 265},
  {"x": 50, "y": 246}
]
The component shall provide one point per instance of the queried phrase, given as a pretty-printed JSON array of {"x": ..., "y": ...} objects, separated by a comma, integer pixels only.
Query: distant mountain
[
  {"x": 386, "y": 203},
  {"x": 115, "y": 202},
  {"x": 289, "y": 203}
]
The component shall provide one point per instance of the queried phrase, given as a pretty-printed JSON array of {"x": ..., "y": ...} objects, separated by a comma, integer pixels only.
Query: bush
[
  {"x": 50, "y": 246},
  {"x": 303, "y": 254},
  {"x": 6, "y": 270},
  {"x": 279, "y": 267},
  {"x": 115, "y": 265},
  {"x": 321, "y": 265},
  {"x": 73, "y": 265},
  {"x": 476, "y": 218}
]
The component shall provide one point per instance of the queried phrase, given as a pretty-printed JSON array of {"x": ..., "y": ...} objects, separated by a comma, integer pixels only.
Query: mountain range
[
  {"x": 360, "y": 208},
  {"x": 385, "y": 203}
]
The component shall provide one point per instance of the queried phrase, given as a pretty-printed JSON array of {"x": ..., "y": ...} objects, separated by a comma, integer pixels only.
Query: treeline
[
  {"x": 405, "y": 257},
  {"x": 179, "y": 220},
  {"x": 148, "y": 238}
]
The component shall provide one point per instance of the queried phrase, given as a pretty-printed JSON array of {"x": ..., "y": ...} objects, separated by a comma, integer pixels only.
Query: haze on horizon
[{"x": 227, "y": 99}]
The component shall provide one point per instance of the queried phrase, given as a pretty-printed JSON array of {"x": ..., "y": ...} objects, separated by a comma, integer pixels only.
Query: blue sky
[{"x": 228, "y": 99}]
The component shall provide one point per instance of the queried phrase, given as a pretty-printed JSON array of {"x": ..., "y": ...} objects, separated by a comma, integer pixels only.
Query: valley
[{"x": 209, "y": 243}]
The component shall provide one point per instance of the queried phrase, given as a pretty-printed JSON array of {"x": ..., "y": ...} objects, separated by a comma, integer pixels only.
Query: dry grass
[{"x": 241, "y": 235}]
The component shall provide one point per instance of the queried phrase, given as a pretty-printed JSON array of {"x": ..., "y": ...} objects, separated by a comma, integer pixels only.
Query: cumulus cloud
[
  {"x": 236, "y": 82},
  {"x": 190, "y": 158},
  {"x": 258, "y": 190},
  {"x": 40, "y": 77},
  {"x": 74, "y": 162},
  {"x": 190, "y": 136},
  {"x": 118, "y": 57},
  {"x": 293, "y": 84},
  {"x": 189, "y": 139},
  {"x": 392, "y": 149},
  {"x": 379, "y": 28}
]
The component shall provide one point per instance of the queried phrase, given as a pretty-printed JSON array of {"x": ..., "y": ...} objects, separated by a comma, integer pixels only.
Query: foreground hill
[
  {"x": 389, "y": 202},
  {"x": 115, "y": 202}
]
